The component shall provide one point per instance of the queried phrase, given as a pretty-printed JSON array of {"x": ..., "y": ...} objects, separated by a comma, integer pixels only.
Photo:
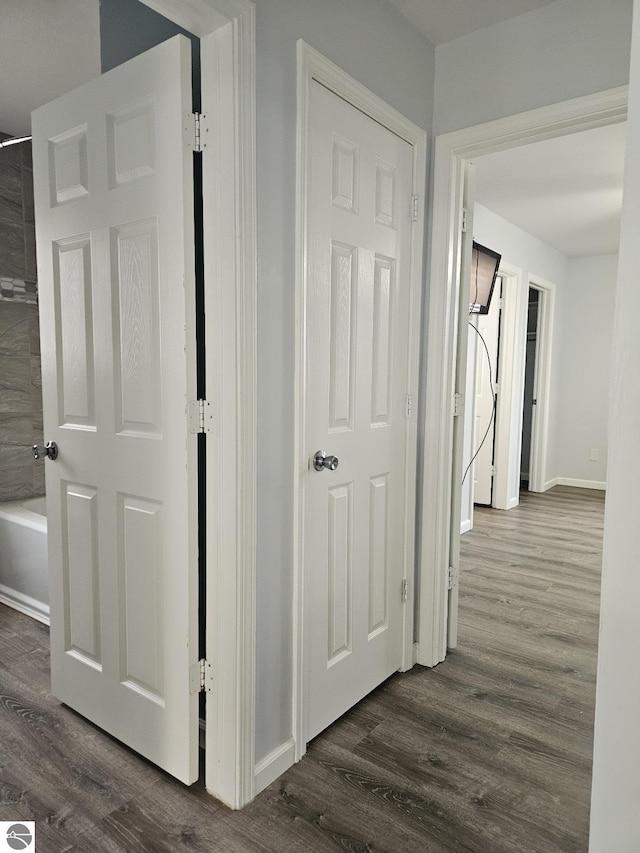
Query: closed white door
[
  {"x": 356, "y": 357},
  {"x": 488, "y": 325},
  {"x": 114, "y": 216}
]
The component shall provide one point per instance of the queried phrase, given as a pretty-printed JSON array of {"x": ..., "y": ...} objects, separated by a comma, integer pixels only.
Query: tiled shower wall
[{"x": 21, "y": 476}]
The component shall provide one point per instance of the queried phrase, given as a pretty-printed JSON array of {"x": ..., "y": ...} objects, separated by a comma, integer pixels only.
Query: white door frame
[
  {"x": 312, "y": 65},
  {"x": 509, "y": 405},
  {"x": 227, "y": 32},
  {"x": 452, "y": 151},
  {"x": 538, "y": 481},
  {"x": 508, "y": 427},
  {"x": 509, "y": 414}
]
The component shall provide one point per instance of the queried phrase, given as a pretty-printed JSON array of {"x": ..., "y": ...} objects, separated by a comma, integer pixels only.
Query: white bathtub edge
[
  {"x": 16, "y": 513},
  {"x": 24, "y": 604}
]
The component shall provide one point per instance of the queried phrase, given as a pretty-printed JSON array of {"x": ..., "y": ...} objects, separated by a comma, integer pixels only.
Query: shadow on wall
[{"x": 20, "y": 378}]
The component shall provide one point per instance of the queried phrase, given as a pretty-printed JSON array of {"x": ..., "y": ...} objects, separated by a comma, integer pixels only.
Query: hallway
[{"x": 488, "y": 752}]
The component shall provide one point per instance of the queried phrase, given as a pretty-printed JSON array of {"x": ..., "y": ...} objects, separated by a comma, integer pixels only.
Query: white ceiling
[
  {"x": 565, "y": 191},
  {"x": 443, "y": 20},
  {"x": 47, "y": 47}
]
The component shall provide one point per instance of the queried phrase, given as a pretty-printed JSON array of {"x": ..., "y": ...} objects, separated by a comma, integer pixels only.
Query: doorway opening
[
  {"x": 357, "y": 523},
  {"x": 226, "y": 32},
  {"x": 529, "y": 400},
  {"x": 453, "y": 152}
]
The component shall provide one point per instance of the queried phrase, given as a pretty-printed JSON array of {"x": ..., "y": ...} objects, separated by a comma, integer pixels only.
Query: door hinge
[
  {"x": 201, "y": 678},
  {"x": 405, "y": 591},
  {"x": 452, "y": 577},
  {"x": 457, "y": 404},
  {"x": 415, "y": 208},
  {"x": 493, "y": 470},
  {"x": 466, "y": 221},
  {"x": 409, "y": 407},
  {"x": 196, "y": 130},
  {"x": 200, "y": 416}
]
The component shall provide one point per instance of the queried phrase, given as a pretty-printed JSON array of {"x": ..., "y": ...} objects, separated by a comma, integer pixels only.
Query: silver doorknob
[
  {"x": 321, "y": 461},
  {"x": 50, "y": 450}
]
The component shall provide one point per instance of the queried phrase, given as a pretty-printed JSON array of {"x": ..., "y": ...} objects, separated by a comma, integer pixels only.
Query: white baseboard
[
  {"x": 581, "y": 484},
  {"x": 550, "y": 484},
  {"x": 24, "y": 604},
  {"x": 466, "y": 526},
  {"x": 274, "y": 764}
]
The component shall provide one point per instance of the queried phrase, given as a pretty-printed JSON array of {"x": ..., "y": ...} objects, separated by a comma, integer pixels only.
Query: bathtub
[{"x": 24, "y": 581}]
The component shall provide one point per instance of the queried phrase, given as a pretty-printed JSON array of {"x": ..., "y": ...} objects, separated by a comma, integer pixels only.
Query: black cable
[{"x": 493, "y": 409}]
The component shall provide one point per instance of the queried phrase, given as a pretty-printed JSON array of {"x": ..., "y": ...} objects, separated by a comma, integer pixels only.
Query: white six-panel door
[
  {"x": 357, "y": 330},
  {"x": 114, "y": 216},
  {"x": 484, "y": 424}
]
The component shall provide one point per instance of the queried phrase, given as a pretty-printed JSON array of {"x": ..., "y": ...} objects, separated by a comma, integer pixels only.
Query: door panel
[
  {"x": 357, "y": 333},
  {"x": 114, "y": 215},
  {"x": 486, "y": 379}
]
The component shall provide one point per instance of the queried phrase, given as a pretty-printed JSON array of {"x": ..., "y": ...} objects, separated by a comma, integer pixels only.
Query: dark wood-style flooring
[{"x": 488, "y": 752}]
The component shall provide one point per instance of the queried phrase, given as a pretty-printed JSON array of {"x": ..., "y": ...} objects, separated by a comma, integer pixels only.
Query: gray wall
[
  {"x": 128, "y": 28},
  {"x": 374, "y": 43},
  {"x": 584, "y": 314},
  {"x": 564, "y": 50},
  {"x": 20, "y": 385}
]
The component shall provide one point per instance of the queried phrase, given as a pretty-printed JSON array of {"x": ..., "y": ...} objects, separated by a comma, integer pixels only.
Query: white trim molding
[
  {"x": 452, "y": 152},
  {"x": 599, "y": 485},
  {"x": 274, "y": 764},
  {"x": 227, "y": 32},
  {"x": 24, "y": 604},
  {"x": 542, "y": 382},
  {"x": 509, "y": 407},
  {"x": 314, "y": 66}
]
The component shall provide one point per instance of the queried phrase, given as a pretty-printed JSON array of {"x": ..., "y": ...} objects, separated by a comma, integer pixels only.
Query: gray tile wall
[{"x": 20, "y": 383}]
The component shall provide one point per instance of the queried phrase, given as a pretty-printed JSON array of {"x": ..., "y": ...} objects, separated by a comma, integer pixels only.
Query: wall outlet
[{"x": 593, "y": 456}]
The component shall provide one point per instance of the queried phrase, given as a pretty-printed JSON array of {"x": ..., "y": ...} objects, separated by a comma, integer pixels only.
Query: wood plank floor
[{"x": 488, "y": 752}]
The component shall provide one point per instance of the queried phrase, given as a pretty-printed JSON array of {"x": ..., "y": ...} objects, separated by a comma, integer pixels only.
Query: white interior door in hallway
[
  {"x": 114, "y": 213},
  {"x": 357, "y": 334},
  {"x": 484, "y": 424}
]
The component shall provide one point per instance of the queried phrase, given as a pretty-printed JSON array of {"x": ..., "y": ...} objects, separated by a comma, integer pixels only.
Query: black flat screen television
[{"x": 484, "y": 270}]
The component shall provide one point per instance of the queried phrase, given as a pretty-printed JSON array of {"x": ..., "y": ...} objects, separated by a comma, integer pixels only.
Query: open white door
[
  {"x": 466, "y": 248},
  {"x": 484, "y": 422},
  {"x": 114, "y": 216}
]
